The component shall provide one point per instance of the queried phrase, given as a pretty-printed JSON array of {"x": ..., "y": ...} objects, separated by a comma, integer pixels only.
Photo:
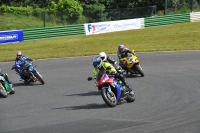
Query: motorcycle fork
[
  {"x": 32, "y": 77},
  {"x": 110, "y": 91}
]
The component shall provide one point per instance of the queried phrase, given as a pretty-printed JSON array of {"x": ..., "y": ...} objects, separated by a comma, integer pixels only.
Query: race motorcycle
[
  {"x": 118, "y": 68},
  {"x": 131, "y": 64},
  {"x": 112, "y": 90},
  {"x": 5, "y": 87},
  {"x": 30, "y": 74}
]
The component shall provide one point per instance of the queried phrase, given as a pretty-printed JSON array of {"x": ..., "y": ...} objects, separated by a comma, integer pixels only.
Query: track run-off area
[{"x": 167, "y": 98}]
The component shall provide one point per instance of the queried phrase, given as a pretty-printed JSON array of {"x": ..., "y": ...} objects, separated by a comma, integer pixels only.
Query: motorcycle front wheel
[
  {"x": 138, "y": 69},
  {"x": 3, "y": 92},
  {"x": 109, "y": 98},
  {"x": 12, "y": 91},
  {"x": 39, "y": 77},
  {"x": 130, "y": 97}
]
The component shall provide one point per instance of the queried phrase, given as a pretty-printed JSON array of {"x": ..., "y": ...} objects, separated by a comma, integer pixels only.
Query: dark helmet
[
  {"x": 97, "y": 61},
  {"x": 120, "y": 47}
]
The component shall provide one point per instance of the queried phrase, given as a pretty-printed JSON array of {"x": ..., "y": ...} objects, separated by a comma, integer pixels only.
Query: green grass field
[{"x": 184, "y": 36}]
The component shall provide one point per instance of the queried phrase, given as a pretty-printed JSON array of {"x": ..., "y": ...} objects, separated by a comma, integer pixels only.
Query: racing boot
[{"x": 21, "y": 79}]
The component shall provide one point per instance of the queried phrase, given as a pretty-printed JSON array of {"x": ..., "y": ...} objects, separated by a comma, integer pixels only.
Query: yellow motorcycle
[{"x": 131, "y": 64}]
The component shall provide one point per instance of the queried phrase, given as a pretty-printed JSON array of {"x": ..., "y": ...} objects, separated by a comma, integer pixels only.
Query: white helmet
[{"x": 103, "y": 56}]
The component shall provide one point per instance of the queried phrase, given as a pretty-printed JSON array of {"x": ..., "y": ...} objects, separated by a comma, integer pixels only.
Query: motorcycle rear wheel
[
  {"x": 111, "y": 101},
  {"x": 3, "y": 92}
]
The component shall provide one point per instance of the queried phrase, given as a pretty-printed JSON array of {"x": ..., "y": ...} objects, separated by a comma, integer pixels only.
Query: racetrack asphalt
[{"x": 167, "y": 98}]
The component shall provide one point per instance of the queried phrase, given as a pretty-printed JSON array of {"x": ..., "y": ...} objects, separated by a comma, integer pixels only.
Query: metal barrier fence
[
  {"x": 91, "y": 16},
  {"x": 79, "y": 29},
  {"x": 167, "y": 19},
  {"x": 57, "y": 31},
  {"x": 118, "y": 14},
  {"x": 47, "y": 19},
  {"x": 181, "y": 6}
]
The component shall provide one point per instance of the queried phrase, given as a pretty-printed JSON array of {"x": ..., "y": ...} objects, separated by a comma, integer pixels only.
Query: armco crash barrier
[
  {"x": 79, "y": 29},
  {"x": 11, "y": 36},
  {"x": 167, "y": 20},
  {"x": 55, "y": 31}
]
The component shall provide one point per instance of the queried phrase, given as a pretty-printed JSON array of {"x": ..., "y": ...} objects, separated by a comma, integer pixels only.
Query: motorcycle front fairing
[
  {"x": 118, "y": 88},
  {"x": 5, "y": 84},
  {"x": 106, "y": 80},
  {"x": 28, "y": 65}
]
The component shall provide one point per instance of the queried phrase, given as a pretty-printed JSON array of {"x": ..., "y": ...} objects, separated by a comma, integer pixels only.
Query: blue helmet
[
  {"x": 120, "y": 47},
  {"x": 97, "y": 61}
]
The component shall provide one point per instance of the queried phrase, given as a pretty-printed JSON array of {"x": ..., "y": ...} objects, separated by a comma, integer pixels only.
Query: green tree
[
  {"x": 92, "y": 9},
  {"x": 69, "y": 10}
]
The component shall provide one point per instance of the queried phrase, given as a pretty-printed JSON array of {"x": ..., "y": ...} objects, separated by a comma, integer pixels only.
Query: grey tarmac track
[{"x": 167, "y": 98}]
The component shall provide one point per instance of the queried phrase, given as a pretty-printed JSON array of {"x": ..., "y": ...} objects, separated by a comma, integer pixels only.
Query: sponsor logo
[
  {"x": 97, "y": 28},
  {"x": 91, "y": 28},
  {"x": 8, "y": 37}
]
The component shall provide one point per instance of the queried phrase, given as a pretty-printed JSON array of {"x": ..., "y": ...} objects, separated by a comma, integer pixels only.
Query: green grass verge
[
  {"x": 12, "y": 22},
  {"x": 184, "y": 36}
]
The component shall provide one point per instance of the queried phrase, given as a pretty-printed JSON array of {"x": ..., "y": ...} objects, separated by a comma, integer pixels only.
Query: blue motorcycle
[
  {"x": 112, "y": 90},
  {"x": 30, "y": 74}
]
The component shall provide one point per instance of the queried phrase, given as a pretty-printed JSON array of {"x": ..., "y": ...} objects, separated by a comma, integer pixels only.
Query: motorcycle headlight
[{"x": 30, "y": 68}]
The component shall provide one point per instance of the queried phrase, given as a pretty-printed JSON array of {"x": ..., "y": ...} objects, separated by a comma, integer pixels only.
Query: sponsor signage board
[
  {"x": 11, "y": 36},
  {"x": 112, "y": 26}
]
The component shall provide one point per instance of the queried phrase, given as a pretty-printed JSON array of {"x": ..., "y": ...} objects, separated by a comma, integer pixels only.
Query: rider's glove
[{"x": 89, "y": 78}]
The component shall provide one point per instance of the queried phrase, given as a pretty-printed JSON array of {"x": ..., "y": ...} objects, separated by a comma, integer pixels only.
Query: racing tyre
[
  {"x": 109, "y": 98},
  {"x": 130, "y": 97},
  {"x": 12, "y": 91},
  {"x": 39, "y": 77},
  {"x": 138, "y": 69},
  {"x": 3, "y": 92}
]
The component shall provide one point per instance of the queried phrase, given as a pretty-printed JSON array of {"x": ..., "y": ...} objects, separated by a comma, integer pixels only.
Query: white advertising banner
[{"x": 112, "y": 26}]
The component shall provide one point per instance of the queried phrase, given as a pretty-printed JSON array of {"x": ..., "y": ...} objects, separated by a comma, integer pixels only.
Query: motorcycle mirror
[
  {"x": 133, "y": 51},
  {"x": 89, "y": 78}
]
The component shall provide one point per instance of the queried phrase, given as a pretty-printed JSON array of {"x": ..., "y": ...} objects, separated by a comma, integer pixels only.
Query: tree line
[
  {"x": 87, "y": 11},
  {"x": 96, "y": 4}
]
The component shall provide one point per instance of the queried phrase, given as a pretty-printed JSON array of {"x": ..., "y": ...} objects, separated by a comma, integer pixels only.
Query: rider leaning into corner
[
  {"x": 109, "y": 59},
  {"x": 123, "y": 52},
  {"x": 99, "y": 64},
  {"x": 5, "y": 75},
  {"x": 19, "y": 63}
]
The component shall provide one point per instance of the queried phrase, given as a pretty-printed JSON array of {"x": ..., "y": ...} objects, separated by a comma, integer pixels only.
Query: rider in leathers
[
  {"x": 5, "y": 75},
  {"x": 19, "y": 64},
  {"x": 109, "y": 59},
  {"x": 121, "y": 53},
  {"x": 99, "y": 64}
]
